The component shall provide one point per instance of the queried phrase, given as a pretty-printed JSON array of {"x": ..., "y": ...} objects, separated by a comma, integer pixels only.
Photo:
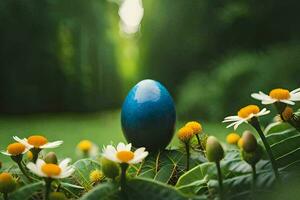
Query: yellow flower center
[
  {"x": 185, "y": 133},
  {"x": 16, "y": 148},
  {"x": 280, "y": 94},
  {"x": 287, "y": 113},
  {"x": 5, "y": 177},
  {"x": 232, "y": 138},
  {"x": 29, "y": 155},
  {"x": 51, "y": 169},
  {"x": 248, "y": 110},
  {"x": 96, "y": 176},
  {"x": 85, "y": 145},
  {"x": 37, "y": 140},
  {"x": 197, "y": 128},
  {"x": 125, "y": 156},
  {"x": 240, "y": 143}
]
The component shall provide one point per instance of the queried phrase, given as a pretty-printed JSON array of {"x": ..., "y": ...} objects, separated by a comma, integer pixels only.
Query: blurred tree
[{"x": 55, "y": 56}]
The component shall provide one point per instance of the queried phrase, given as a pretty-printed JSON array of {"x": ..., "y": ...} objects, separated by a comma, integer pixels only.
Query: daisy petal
[
  {"x": 287, "y": 102},
  {"x": 295, "y": 91},
  {"x": 121, "y": 147},
  {"x": 50, "y": 145}
]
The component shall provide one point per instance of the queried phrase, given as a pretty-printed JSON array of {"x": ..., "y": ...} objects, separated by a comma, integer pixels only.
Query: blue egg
[{"x": 148, "y": 116}]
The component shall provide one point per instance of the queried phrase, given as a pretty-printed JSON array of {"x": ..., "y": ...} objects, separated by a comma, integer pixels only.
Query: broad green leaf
[
  {"x": 139, "y": 188},
  {"x": 165, "y": 166},
  {"x": 277, "y": 127},
  {"x": 197, "y": 173},
  {"x": 27, "y": 192},
  {"x": 104, "y": 191}
]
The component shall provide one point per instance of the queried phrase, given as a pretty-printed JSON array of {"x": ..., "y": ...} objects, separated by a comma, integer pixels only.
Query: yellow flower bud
[
  {"x": 7, "y": 183},
  {"x": 232, "y": 138},
  {"x": 185, "y": 134},
  {"x": 240, "y": 143},
  {"x": 197, "y": 128},
  {"x": 96, "y": 176}
]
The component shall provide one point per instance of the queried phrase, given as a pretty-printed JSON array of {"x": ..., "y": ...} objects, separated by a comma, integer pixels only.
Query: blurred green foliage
[
  {"x": 228, "y": 87},
  {"x": 69, "y": 55}
]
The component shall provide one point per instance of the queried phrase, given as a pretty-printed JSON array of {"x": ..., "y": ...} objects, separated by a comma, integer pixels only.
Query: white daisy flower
[
  {"x": 38, "y": 142},
  {"x": 15, "y": 149},
  {"x": 50, "y": 170},
  {"x": 278, "y": 95},
  {"x": 123, "y": 154},
  {"x": 244, "y": 115}
]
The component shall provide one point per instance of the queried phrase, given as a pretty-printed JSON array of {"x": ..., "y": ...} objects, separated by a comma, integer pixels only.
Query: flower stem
[
  {"x": 5, "y": 196},
  {"x": 24, "y": 171},
  {"x": 253, "y": 176},
  {"x": 187, "y": 149},
  {"x": 198, "y": 139},
  {"x": 124, "y": 167},
  {"x": 220, "y": 179},
  {"x": 255, "y": 123},
  {"x": 48, "y": 182},
  {"x": 35, "y": 152}
]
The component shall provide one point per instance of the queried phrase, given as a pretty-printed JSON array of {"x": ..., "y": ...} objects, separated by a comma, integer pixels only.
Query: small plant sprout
[
  {"x": 51, "y": 171},
  {"x": 251, "y": 152},
  {"x": 197, "y": 129},
  {"x": 36, "y": 143},
  {"x": 124, "y": 156},
  {"x": 7, "y": 184},
  {"x": 16, "y": 151},
  {"x": 215, "y": 153},
  {"x": 87, "y": 148},
  {"x": 233, "y": 138},
  {"x": 185, "y": 134},
  {"x": 250, "y": 114}
]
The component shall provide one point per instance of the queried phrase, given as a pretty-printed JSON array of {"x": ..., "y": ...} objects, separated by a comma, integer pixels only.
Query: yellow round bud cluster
[
  {"x": 233, "y": 138},
  {"x": 96, "y": 176},
  {"x": 185, "y": 134},
  {"x": 197, "y": 128},
  {"x": 7, "y": 183}
]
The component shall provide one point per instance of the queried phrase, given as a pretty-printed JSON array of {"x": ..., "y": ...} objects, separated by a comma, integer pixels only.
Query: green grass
[{"x": 102, "y": 129}]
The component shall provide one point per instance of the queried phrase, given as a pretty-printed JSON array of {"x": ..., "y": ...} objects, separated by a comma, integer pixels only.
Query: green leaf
[
  {"x": 104, "y": 191},
  {"x": 27, "y": 191},
  {"x": 139, "y": 188},
  {"x": 277, "y": 127},
  {"x": 197, "y": 173},
  {"x": 83, "y": 168},
  {"x": 165, "y": 166}
]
